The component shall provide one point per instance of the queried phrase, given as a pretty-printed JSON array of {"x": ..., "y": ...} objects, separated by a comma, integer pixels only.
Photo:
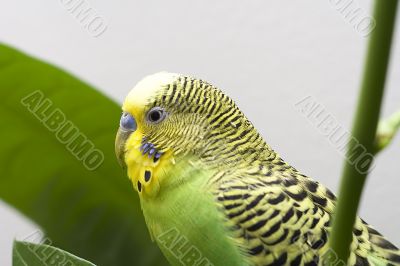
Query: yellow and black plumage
[{"x": 206, "y": 171}]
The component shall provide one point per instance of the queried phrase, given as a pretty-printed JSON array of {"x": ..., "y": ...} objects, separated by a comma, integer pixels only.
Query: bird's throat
[{"x": 146, "y": 166}]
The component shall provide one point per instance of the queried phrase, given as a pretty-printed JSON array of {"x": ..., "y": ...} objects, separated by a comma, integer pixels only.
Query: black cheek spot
[
  {"x": 139, "y": 186},
  {"x": 147, "y": 175},
  {"x": 157, "y": 156}
]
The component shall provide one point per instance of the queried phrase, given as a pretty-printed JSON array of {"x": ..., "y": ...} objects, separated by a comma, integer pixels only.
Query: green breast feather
[{"x": 195, "y": 235}]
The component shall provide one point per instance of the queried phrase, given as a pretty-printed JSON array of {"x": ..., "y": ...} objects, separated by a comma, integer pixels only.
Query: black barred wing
[
  {"x": 275, "y": 221},
  {"x": 284, "y": 219}
]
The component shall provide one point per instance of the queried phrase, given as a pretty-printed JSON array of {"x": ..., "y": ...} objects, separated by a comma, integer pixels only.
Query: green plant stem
[{"x": 364, "y": 125}]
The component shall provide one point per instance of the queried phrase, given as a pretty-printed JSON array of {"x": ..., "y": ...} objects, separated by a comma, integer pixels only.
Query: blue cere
[{"x": 127, "y": 122}]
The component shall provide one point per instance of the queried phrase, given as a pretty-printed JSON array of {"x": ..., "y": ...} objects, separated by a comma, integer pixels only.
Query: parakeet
[{"x": 213, "y": 192}]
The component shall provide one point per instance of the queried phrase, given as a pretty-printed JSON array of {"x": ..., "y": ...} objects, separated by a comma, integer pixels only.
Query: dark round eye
[
  {"x": 156, "y": 115},
  {"x": 127, "y": 122}
]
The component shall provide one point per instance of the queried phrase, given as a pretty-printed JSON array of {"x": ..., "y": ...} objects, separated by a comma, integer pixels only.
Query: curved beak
[{"x": 120, "y": 140}]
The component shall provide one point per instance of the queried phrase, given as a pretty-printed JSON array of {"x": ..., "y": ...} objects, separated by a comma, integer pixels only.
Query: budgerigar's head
[{"x": 168, "y": 115}]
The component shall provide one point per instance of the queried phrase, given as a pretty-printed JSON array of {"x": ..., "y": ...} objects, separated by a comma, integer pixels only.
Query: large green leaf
[
  {"x": 94, "y": 214},
  {"x": 29, "y": 254}
]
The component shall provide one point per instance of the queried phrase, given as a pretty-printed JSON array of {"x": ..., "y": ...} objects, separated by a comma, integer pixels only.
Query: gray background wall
[{"x": 267, "y": 55}]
